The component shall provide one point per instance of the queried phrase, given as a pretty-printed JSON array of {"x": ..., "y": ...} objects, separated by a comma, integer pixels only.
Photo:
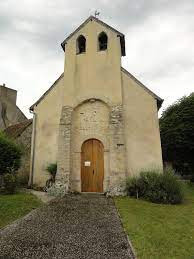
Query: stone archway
[{"x": 91, "y": 119}]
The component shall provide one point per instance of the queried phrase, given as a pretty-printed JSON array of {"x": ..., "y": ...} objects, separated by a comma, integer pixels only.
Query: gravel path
[{"x": 77, "y": 226}]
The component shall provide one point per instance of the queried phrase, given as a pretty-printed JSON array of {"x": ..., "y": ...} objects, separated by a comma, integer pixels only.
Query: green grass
[
  {"x": 16, "y": 206},
  {"x": 159, "y": 231}
]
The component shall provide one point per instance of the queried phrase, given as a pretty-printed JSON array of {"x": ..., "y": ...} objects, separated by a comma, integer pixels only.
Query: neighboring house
[
  {"x": 10, "y": 114},
  {"x": 97, "y": 121},
  {"x": 22, "y": 133}
]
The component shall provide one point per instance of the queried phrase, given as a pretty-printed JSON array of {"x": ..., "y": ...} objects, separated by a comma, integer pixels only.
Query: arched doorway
[{"x": 92, "y": 166}]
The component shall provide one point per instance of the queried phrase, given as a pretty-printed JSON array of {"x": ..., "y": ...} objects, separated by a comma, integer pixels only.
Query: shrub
[
  {"x": 10, "y": 158},
  {"x": 10, "y": 182},
  {"x": 22, "y": 180},
  {"x": 132, "y": 187},
  {"x": 156, "y": 187},
  {"x": 52, "y": 169},
  {"x": 192, "y": 178}
]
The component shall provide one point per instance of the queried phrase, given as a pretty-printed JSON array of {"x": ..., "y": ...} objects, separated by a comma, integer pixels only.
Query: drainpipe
[{"x": 30, "y": 182}]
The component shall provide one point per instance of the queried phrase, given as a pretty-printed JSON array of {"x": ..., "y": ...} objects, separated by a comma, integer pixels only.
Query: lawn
[
  {"x": 16, "y": 206},
  {"x": 159, "y": 231}
]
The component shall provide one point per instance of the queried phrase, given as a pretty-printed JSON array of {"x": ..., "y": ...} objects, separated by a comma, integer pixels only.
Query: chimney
[{"x": 8, "y": 93}]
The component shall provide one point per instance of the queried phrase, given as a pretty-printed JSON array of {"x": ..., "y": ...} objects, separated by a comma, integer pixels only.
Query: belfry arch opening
[
  {"x": 81, "y": 44},
  {"x": 102, "y": 41}
]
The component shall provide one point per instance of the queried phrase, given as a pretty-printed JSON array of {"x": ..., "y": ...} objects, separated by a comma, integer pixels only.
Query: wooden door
[{"x": 92, "y": 166}]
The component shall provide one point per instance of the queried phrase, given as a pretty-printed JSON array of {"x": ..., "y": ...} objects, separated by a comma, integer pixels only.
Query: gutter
[{"x": 30, "y": 182}]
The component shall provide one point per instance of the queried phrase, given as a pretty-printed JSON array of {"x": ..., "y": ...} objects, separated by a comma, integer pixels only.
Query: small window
[
  {"x": 102, "y": 41},
  {"x": 81, "y": 44}
]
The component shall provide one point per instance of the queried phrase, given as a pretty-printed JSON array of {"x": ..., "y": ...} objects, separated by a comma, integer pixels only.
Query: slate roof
[{"x": 16, "y": 130}]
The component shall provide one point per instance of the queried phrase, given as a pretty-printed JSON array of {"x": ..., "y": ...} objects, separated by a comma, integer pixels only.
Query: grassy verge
[
  {"x": 159, "y": 231},
  {"x": 15, "y": 206}
]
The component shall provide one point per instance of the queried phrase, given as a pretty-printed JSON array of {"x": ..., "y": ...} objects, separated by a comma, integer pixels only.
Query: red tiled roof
[{"x": 16, "y": 130}]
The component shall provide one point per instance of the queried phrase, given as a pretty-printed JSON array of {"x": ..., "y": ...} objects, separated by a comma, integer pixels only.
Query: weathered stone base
[
  {"x": 117, "y": 189},
  {"x": 59, "y": 189}
]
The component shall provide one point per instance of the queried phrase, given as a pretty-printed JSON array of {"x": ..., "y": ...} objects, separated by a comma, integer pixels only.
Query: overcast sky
[{"x": 159, "y": 42}]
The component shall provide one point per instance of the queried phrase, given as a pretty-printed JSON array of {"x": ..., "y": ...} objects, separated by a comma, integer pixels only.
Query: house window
[
  {"x": 102, "y": 41},
  {"x": 81, "y": 44}
]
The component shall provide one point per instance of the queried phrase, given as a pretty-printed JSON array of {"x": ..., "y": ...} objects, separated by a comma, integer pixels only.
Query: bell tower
[
  {"x": 93, "y": 62},
  {"x": 92, "y": 103}
]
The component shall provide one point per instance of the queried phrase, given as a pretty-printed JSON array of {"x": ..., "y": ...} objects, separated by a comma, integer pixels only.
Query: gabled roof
[
  {"x": 42, "y": 97},
  {"x": 16, "y": 130},
  {"x": 93, "y": 18},
  {"x": 159, "y": 100}
]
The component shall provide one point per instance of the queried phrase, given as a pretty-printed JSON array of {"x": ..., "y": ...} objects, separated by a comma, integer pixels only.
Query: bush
[
  {"x": 156, "y": 187},
  {"x": 22, "y": 180},
  {"x": 52, "y": 169},
  {"x": 10, "y": 182},
  {"x": 10, "y": 158},
  {"x": 192, "y": 178}
]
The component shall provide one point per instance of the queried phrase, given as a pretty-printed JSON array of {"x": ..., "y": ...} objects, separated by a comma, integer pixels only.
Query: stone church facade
[{"x": 97, "y": 121}]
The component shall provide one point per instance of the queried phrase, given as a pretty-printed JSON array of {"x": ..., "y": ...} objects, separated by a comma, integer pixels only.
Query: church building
[{"x": 97, "y": 121}]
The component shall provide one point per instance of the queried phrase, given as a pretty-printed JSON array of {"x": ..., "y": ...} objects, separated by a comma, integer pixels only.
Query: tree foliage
[
  {"x": 10, "y": 182},
  {"x": 10, "y": 155},
  {"x": 177, "y": 134}
]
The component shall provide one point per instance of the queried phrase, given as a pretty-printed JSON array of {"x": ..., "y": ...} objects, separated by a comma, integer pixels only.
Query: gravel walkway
[{"x": 77, "y": 226}]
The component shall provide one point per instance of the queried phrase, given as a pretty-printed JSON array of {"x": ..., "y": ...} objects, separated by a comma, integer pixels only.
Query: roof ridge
[
  {"x": 47, "y": 91},
  {"x": 159, "y": 100},
  {"x": 17, "y": 129},
  {"x": 90, "y": 18}
]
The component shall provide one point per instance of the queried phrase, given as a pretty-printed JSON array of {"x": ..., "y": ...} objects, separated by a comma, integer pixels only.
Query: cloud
[
  {"x": 161, "y": 54},
  {"x": 159, "y": 42}
]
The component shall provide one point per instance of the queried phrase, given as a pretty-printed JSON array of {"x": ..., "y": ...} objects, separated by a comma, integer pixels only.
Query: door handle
[{"x": 93, "y": 171}]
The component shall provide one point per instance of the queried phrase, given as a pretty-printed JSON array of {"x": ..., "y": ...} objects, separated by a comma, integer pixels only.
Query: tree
[
  {"x": 177, "y": 134},
  {"x": 10, "y": 155}
]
